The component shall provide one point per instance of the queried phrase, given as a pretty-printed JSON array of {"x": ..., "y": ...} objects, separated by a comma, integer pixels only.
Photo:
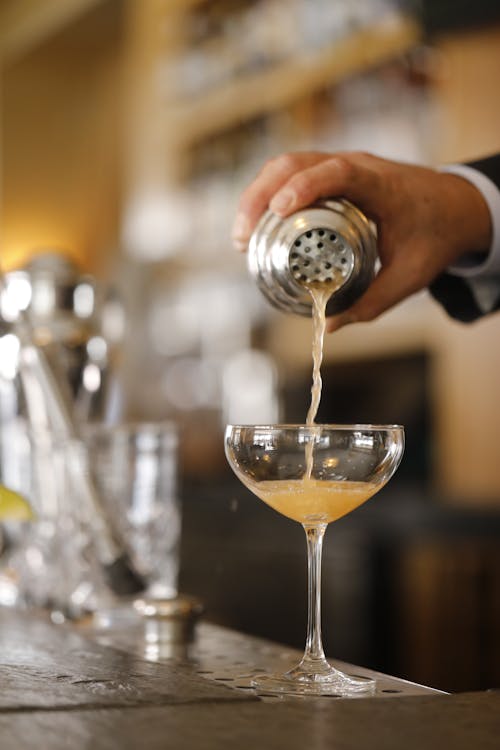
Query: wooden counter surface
[{"x": 61, "y": 688}]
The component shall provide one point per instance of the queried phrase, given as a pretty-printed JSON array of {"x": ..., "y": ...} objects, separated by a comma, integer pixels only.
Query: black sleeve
[
  {"x": 490, "y": 166},
  {"x": 453, "y": 292}
]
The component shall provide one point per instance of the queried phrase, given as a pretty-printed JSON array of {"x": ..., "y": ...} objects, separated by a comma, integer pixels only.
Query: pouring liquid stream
[
  {"x": 314, "y": 501},
  {"x": 320, "y": 295}
]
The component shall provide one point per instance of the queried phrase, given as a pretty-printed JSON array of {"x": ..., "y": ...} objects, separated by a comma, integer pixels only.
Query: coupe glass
[{"x": 314, "y": 475}]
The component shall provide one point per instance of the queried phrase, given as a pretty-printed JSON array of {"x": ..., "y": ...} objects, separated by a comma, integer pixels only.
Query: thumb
[{"x": 391, "y": 285}]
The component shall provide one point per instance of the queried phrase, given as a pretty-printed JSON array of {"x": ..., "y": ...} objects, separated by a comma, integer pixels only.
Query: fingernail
[
  {"x": 241, "y": 228},
  {"x": 240, "y": 246},
  {"x": 283, "y": 201}
]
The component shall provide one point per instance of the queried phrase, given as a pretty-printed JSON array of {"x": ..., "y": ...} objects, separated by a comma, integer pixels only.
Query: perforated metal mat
[{"x": 233, "y": 659}]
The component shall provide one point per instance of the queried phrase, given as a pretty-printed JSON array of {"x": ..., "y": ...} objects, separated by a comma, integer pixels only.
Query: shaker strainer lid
[
  {"x": 330, "y": 243},
  {"x": 321, "y": 256}
]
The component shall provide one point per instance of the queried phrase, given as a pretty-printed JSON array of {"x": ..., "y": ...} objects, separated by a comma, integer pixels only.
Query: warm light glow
[
  {"x": 18, "y": 255},
  {"x": 24, "y": 238}
]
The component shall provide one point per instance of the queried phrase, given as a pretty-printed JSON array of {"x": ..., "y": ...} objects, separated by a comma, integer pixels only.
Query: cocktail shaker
[
  {"x": 328, "y": 243},
  {"x": 65, "y": 309}
]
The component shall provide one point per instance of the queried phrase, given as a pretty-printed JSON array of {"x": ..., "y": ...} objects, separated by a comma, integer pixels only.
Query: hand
[{"x": 425, "y": 219}]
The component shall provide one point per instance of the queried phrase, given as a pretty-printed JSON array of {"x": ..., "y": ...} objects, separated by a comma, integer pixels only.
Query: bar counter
[{"x": 79, "y": 687}]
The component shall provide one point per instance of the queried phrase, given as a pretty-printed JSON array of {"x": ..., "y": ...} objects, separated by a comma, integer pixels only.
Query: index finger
[{"x": 257, "y": 196}]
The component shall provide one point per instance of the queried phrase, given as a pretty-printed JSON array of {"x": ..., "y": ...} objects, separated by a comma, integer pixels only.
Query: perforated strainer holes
[{"x": 320, "y": 256}]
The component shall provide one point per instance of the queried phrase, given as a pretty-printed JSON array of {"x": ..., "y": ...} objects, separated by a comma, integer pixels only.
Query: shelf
[
  {"x": 24, "y": 24},
  {"x": 264, "y": 92}
]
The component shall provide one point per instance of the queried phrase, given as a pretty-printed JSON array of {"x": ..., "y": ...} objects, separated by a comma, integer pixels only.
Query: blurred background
[{"x": 128, "y": 130}]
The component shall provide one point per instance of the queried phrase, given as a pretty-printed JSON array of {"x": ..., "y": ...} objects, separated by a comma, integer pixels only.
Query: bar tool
[
  {"x": 328, "y": 243},
  {"x": 169, "y": 620}
]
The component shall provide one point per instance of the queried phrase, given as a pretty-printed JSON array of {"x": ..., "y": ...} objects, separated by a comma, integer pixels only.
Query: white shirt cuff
[{"x": 469, "y": 265}]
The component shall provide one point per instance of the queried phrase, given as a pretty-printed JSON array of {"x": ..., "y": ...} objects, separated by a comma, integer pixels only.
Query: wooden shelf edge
[
  {"x": 264, "y": 92},
  {"x": 25, "y": 24}
]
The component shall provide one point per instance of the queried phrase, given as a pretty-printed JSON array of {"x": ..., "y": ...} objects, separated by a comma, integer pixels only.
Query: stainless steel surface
[
  {"x": 320, "y": 257},
  {"x": 62, "y": 690},
  {"x": 59, "y": 299},
  {"x": 66, "y": 309},
  {"x": 169, "y": 621},
  {"x": 331, "y": 242},
  {"x": 225, "y": 656}
]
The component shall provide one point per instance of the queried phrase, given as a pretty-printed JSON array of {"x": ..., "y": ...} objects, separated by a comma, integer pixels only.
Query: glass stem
[{"x": 314, "y": 647}]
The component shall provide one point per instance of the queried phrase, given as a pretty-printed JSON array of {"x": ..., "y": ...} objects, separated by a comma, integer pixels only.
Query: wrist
[{"x": 469, "y": 216}]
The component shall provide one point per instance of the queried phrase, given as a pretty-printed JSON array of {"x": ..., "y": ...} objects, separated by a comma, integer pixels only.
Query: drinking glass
[
  {"x": 134, "y": 469},
  {"x": 314, "y": 475},
  {"x": 50, "y": 561}
]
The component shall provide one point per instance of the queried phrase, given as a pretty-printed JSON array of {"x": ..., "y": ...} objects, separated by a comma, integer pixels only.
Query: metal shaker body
[
  {"x": 65, "y": 309},
  {"x": 330, "y": 242}
]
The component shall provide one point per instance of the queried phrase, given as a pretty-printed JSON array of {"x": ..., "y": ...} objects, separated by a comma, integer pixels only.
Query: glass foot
[{"x": 327, "y": 681}]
